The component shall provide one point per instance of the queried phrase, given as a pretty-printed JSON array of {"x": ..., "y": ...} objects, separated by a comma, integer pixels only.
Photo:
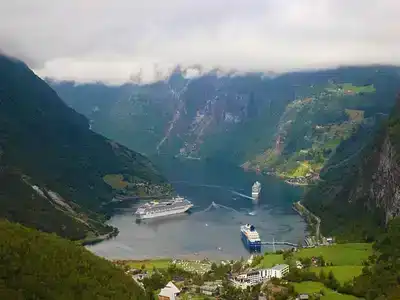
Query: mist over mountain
[{"x": 235, "y": 117}]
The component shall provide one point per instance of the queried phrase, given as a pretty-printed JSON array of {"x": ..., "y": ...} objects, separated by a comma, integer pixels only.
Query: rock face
[
  {"x": 231, "y": 117},
  {"x": 363, "y": 194},
  {"x": 381, "y": 187}
]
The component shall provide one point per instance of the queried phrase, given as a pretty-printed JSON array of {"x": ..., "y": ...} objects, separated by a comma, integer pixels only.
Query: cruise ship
[
  {"x": 255, "y": 190},
  {"x": 154, "y": 209},
  {"x": 251, "y": 238}
]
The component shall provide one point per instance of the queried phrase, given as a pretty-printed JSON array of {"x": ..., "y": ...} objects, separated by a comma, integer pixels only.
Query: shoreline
[
  {"x": 100, "y": 238},
  {"x": 307, "y": 215}
]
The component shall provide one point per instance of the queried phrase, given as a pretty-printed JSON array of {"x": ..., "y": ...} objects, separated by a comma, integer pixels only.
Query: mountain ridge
[
  {"x": 362, "y": 195},
  {"x": 49, "y": 155}
]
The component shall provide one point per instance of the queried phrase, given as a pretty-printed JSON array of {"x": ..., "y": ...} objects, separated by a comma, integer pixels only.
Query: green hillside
[
  {"x": 313, "y": 126},
  {"x": 357, "y": 194},
  {"x": 35, "y": 265},
  {"x": 47, "y": 146}
]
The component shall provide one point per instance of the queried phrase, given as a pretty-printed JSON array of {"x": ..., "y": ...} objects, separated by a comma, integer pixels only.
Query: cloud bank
[{"x": 110, "y": 41}]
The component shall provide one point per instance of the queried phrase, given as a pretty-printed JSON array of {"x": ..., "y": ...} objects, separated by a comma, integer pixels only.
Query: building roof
[
  {"x": 173, "y": 287},
  {"x": 167, "y": 292},
  {"x": 280, "y": 267}
]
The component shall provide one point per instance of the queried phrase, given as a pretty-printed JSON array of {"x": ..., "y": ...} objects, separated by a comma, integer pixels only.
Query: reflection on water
[{"x": 210, "y": 230}]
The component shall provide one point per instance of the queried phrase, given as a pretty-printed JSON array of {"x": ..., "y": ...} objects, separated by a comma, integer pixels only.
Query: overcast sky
[{"x": 107, "y": 40}]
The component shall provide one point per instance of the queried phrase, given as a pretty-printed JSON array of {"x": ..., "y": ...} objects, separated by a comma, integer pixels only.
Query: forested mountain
[
  {"x": 361, "y": 194},
  {"x": 35, "y": 265},
  {"x": 380, "y": 276},
  {"x": 52, "y": 166},
  {"x": 236, "y": 117},
  {"x": 306, "y": 127}
]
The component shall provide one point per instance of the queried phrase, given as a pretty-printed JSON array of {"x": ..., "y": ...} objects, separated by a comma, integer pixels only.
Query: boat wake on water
[
  {"x": 217, "y": 206},
  {"x": 241, "y": 195},
  {"x": 203, "y": 185}
]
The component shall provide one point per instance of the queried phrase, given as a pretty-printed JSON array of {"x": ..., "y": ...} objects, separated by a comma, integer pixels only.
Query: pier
[{"x": 279, "y": 243}]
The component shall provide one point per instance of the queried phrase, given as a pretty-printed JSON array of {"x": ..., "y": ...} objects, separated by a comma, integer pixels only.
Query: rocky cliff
[
  {"x": 382, "y": 167},
  {"x": 362, "y": 194}
]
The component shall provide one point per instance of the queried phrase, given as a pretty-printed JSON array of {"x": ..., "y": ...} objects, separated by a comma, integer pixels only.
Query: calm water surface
[{"x": 208, "y": 228}]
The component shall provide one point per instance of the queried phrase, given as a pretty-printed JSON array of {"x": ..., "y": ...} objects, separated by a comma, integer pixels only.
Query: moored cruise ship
[
  {"x": 255, "y": 190},
  {"x": 156, "y": 209},
  {"x": 250, "y": 237}
]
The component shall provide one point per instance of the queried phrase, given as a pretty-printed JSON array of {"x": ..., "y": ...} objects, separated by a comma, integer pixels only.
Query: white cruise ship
[
  {"x": 156, "y": 209},
  {"x": 255, "y": 190}
]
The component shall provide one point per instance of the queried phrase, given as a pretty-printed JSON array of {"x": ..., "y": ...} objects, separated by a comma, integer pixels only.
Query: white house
[
  {"x": 299, "y": 265},
  {"x": 169, "y": 292}
]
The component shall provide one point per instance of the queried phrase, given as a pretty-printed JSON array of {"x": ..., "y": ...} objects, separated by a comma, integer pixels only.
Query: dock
[{"x": 279, "y": 243}]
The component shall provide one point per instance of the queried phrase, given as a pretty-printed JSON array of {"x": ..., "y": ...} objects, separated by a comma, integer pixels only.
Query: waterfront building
[{"x": 257, "y": 276}]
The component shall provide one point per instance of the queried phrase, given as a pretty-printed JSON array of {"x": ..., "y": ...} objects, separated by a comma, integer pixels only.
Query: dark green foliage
[
  {"x": 50, "y": 143},
  {"x": 232, "y": 293},
  {"x": 331, "y": 282},
  {"x": 257, "y": 259},
  {"x": 329, "y": 198},
  {"x": 296, "y": 275},
  {"x": 35, "y": 265},
  {"x": 382, "y": 277},
  {"x": 20, "y": 203}
]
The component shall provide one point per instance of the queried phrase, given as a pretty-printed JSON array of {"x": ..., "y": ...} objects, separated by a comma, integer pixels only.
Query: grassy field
[
  {"x": 341, "y": 254},
  {"x": 302, "y": 170},
  {"x": 149, "y": 264},
  {"x": 116, "y": 181},
  {"x": 309, "y": 287},
  {"x": 271, "y": 260},
  {"x": 358, "y": 89},
  {"x": 355, "y": 115},
  {"x": 342, "y": 273}
]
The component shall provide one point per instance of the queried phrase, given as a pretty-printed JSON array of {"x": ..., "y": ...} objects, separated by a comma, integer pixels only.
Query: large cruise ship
[
  {"x": 250, "y": 237},
  {"x": 156, "y": 209},
  {"x": 255, "y": 190}
]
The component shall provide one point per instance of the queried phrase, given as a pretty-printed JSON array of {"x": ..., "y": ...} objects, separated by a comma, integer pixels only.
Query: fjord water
[{"x": 209, "y": 231}]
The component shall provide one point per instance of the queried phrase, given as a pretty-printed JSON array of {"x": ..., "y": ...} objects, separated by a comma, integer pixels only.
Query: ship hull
[
  {"x": 164, "y": 213},
  {"x": 251, "y": 246}
]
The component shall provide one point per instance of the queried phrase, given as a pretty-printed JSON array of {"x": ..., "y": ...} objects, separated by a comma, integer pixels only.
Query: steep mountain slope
[
  {"x": 313, "y": 126},
  {"x": 35, "y": 265},
  {"x": 231, "y": 117},
  {"x": 362, "y": 193},
  {"x": 52, "y": 165}
]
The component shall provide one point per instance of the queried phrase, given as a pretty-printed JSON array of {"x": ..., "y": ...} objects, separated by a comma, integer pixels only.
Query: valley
[
  {"x": 200, "y": 150},
  {"x": 302, "y": 129},
  {"x": 288, "y": 126}
]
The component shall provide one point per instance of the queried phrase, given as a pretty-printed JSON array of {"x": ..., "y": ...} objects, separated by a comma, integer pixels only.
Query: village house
[
  {"x": 169, "y": 292},
  {"x": 302, "y": 297},
  {"x": 211, "y": 288},
  {"x": 299, "y": 265}
]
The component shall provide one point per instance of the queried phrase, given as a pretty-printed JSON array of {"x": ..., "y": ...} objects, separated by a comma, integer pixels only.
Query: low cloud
[{"x": 111, "y": 41}]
